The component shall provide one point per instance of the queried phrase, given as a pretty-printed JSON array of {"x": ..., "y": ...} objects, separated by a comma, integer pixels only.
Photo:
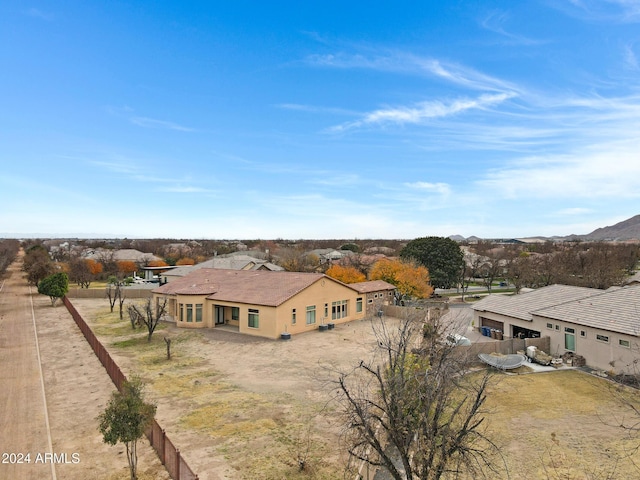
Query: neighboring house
[
  {"x": 125, "y": 254},
  {"x": 330, "y": 255},
  {"x": 633, "y": 280},
  {"x": 603, "y": 326},
  {"x": 376, "y": 294},
  {"x": 227, "y": 262},
  {"x": 261, "y": 302}
]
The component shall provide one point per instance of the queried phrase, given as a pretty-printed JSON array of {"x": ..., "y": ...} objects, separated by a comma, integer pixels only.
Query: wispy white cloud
[
  {"x": 408, "y": 63},
  {"x": 423, "y": 111},
  {"x": 495, "y": 21},
  {"x": 128, "y": 113},
  {"x": 630, "y": 58},
  {"x": 315, "y": 109},
  {"x": 602, "y": 171},
  {"x": 438, "y": 187},
  {"x": 162, "y": 124},
  {"x": 184, "y": 189},
  {"x": 572, "y": 211},
  {"x": 610, "y": 11}
]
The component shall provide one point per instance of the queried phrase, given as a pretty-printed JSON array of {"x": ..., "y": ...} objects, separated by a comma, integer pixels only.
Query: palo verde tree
[
  {"x": 125, "y": 419},
  {"x": 415, "y": 409},
  {"x": 149, "y": 315},
  {"x": 442, "y": 256},
  {"x": 55, "y": 286}
]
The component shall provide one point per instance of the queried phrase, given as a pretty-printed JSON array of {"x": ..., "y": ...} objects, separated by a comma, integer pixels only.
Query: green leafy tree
[
  {"x": 125, "y": 419},
  {"x": 55, "y": 286},
  {"x": 442, "y": 256}
]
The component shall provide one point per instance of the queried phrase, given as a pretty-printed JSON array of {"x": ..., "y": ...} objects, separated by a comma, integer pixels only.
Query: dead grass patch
[{"x": 556, "y": 426}]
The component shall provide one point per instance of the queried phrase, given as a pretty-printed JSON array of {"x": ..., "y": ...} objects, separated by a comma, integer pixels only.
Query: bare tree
[
  {"x": 415, "y": 410},
  {"x": 113, "y": 291},
  {"x": 149, "y": 315}
]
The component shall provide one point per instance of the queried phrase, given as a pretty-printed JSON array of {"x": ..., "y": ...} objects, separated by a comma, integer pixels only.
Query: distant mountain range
[{"x": 626, "y": 230}]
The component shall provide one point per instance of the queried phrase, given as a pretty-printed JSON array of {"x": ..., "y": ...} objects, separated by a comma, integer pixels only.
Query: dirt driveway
[{"x": 60, "y": 418}]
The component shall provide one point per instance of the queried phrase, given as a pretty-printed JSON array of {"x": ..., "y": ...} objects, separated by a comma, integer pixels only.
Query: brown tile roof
[
  {"x": 521, "y": 306},
  {"x": 255, "y": 287},
  {"x": 616, "y": 310},
  {"x": 372, "y": 286}
]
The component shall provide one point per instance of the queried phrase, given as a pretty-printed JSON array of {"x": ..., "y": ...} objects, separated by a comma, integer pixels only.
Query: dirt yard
[
  {"x": 77, "y": 389},
  {"x": 242, "y": 407},
  {"x": 247, "y": 408}
]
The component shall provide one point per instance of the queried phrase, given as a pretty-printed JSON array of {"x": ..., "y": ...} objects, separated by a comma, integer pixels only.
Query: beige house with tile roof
[
  {"x": 260, "y": 302},
  {"x": 376, "y": 294},
  {"x": 601, "y": 325},
  {"x": 227, "y": 262}
]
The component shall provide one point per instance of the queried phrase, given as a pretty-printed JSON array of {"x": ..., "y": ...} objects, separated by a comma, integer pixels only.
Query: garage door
[{"x": 487, "y": 322}]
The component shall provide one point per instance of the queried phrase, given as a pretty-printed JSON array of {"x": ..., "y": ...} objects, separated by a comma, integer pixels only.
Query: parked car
[{"x": 454, "y": 340}]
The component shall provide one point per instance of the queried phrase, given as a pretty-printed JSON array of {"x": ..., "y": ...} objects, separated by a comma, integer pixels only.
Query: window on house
[
  {"x": 326, "y": 310},
  {"x": 370, "y": 300},
  {"x": 189, "y": 312},
  {"x": 254, "y": 318},
  {"x": 235, "y": 313},
  {"x": 583, "y": 334},
  {"x": 339, "y": 309},
  {"x": 293, "y": 316},
  {"x": 624, "y": 343},
  {"x": 550, "y": 326},
  {"x": 359, "y": 304},
  {"x": 198, "y": 312},
  {"x": 180, "y": 307},
  {"x": 391, "y": 294},
  {"x": 311, "y": 315},
  {"x": 557, "y": 327},
  {"x": 602, "y": 338},
  {"x": 569, "y": 330}
]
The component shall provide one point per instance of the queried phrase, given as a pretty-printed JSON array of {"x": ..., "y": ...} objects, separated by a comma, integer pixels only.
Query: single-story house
[
  {"x": 262, "y": 302},
  {"x": 376, "y": 293},
  {"x": 603, "y": 326},
  {"x": 227, "y": 262}
]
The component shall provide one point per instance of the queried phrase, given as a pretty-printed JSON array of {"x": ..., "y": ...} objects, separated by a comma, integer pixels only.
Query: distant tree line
[
  {"x": 585, "y": 264},
  {"x": 9, "y": 249}
]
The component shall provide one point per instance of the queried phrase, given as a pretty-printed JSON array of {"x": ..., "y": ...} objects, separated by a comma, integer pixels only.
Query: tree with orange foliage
[
  {"x": 345, "y": 274},
  {"x": 94, "y": 267},
  {"x": 83, "y": 271},
  {"x": 158, "y": 263},
  {"x": 409, "y": 278},
  {"x": 186, "y": 261},
  {"x": 127, "y": 267}
]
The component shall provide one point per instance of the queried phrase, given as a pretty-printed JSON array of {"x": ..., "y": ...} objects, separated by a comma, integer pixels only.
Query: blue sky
[{"x": 318, "y": 119}]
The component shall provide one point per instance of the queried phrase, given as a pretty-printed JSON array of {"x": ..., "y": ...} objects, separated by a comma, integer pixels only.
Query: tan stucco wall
[
  {"x": 598, "y": 354},
  {"x": 320, "y": 293},
  {"x": 275, "y": 320}
]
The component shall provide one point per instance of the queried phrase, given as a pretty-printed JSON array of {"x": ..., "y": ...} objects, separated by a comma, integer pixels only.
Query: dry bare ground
[
  {"x": 76, "y": 386},
  {"x": 245, "y": 408}
]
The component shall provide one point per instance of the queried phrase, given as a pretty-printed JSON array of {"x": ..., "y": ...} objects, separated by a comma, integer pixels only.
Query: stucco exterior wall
[
  {"x": 600, "y": 354},
  {"x": 607, "y": 355},
  {"x": 321, "y": 294},
  {"x": 272, "y": 321}
]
